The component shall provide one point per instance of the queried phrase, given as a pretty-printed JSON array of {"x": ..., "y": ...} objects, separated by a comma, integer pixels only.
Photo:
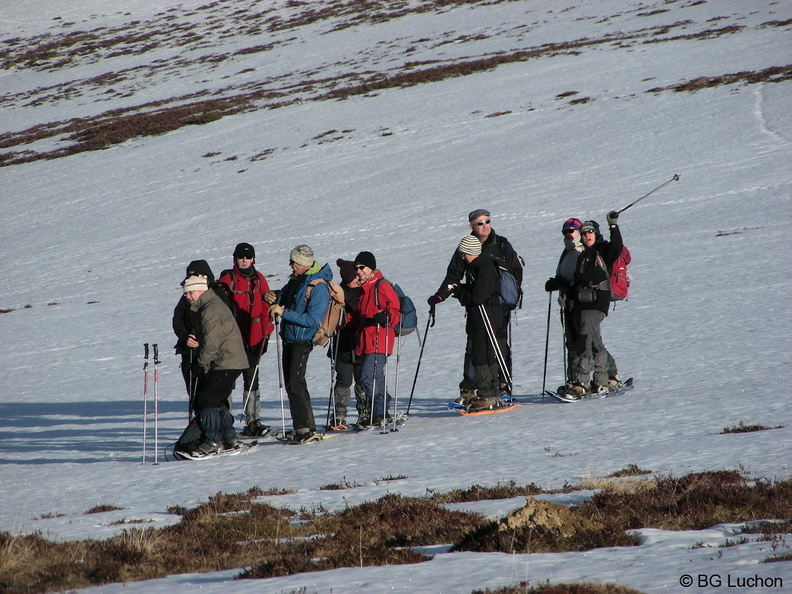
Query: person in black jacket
[
  {"x": 479, "y": 296},
  {"x": 496, "y": 248},
  {"x": 593, "y": 298}
]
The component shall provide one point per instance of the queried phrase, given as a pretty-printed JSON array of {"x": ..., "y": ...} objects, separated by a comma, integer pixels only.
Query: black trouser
[
  {"x": 214, "y": 388},
  {"x": 295, "y": 361}
]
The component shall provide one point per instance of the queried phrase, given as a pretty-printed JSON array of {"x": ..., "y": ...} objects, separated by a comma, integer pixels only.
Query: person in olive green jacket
[{"x": 221, "y": 359}]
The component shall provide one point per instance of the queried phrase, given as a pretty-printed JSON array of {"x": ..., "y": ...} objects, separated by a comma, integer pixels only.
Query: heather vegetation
[{"x": 239, "y": 530}]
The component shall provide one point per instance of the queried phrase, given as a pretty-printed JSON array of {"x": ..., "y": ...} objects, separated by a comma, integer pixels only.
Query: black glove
[
  {"x": 435, "y": 299},
  {"x": 613, "y": 217},
  {"x": 554, "y": 284},
  {"x": 380, "y": 318}
]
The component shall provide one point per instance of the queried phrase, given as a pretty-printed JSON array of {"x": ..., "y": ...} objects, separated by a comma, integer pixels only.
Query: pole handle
[{"x": 156, "y": 354}]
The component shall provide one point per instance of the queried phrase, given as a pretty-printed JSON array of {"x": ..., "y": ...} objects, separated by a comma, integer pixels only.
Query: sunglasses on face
[
  {"x": 587, "y": 232},
  {"x": 360, "y": 266},
  {"x": 568, "y": 231},
  {"x": 482, "y": 223}
]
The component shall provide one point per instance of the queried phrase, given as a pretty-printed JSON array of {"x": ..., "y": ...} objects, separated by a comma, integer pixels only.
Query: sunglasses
[
  {"x": 568, "y": 230},
  {"x": 482, "y": 223},
  {"x": 587, "y": 232},
  {"x": 360, "y": 266}
]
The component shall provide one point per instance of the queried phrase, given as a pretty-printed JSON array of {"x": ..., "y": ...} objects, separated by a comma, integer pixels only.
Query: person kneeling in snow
[{"x": 221, "y": 359}]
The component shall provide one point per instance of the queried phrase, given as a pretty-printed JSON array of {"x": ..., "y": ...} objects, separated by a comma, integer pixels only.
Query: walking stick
[
  {"x": 547, "y": 345},
  {"x": 675, "y": 178},
  {"x": 253, "y": 379},
  {"x": 429, "y": 322},
  {"x": 280, "y": 376},
  {"x": 331, "y": 402},
  {"x": 496, "y": 347},
  {"x": 145, "y": 395},
  {"x": 156, "y": 401}
]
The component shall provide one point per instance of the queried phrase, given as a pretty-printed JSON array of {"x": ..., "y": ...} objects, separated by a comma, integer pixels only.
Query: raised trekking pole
[
  {"x": 675, "y": 178},
  {"x": 280, "y": 376},
  {"x": 156, "y": 401},
  {"x": 429, "y": 322},
  {"x": 145, "y": 395},
  {"x": 547, "y": 345}
]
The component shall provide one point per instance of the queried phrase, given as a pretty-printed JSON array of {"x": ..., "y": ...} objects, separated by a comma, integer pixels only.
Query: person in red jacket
[
  {"x": 247, "y": 287},
  {"x": 377, "y": 314}
]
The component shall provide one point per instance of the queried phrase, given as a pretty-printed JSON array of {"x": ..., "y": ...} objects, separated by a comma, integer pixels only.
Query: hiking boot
[
  {"x": 232, "y": 444},
  {"x": 363, "y": 421},
  {"x": 255, "y": 429},
  {"x": 576, "y": 390},
  {"x": 504, "y": 390},
  {"x": 379, "y": 421},
  {"x": 207, "y": 448},
  {"x": 484, "y": 403},
  {"x": 465, "y": 396},
  {"x": 337, "y": 424},
  {"x": 599, "y": 389},
  {"x": 304, "y": 436}
]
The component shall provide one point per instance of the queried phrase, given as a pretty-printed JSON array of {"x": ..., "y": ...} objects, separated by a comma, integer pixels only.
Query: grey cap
[{"x": 479, "y": 212}]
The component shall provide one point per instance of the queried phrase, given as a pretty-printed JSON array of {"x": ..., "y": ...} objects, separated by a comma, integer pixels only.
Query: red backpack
[{"x": 620, "y": 277}]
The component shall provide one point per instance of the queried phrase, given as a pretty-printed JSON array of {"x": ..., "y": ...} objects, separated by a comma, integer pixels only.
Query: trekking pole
[
  {"x": 264, "y": 342},
  {"x": 429, "y": 322},
  {"x": 567, "y": 370},
  {"x": 331, "y": 404},
  {"x": 547, "y": 345},
  {"x": 145, "y": 395},
  {"x": 496, "y": 347},
  {"x": 385, "y": 386},
  {"x": 156, "y": 401},
  {"x": 374, "y": 378},
  {"x": 396, "y": 388},
  {"x": 280, "y": 376},
  {"x": 190, "y": 391},
  {"x": 675, "y": 178}
]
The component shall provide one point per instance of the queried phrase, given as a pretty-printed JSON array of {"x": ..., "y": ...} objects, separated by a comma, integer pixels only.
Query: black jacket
[
  {"x": 591, "y": 273},
  {"x": 497, "y": 249}
]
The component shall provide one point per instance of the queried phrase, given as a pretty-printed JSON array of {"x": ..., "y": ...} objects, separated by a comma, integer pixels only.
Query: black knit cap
[
  {"x": 367, "y": 259},
  {"x": 244, "y": 250}
]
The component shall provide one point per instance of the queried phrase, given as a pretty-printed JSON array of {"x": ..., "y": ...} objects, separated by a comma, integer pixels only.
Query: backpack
[
  {"x": 333, "y": 317},
  {"x": 190, "y": 437},
  {"x": 509, "y": 292},
  {"x": 620, "y": 277},
  {"x": 408, "y": 317}
]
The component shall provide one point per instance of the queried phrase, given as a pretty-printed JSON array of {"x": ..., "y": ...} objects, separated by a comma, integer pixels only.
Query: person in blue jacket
[{"x": 302, "y": 312}]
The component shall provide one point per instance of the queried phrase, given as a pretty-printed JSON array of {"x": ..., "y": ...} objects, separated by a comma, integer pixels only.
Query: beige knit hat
[
  {"x": 195, "y": 283},
  {"x": 302, "y": 255},
  {"x": 470, "y": 245}
]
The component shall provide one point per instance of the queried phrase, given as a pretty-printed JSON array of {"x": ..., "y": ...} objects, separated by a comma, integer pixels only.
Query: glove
[
  {"x": 435, "y": 299},
  {"x": 380, "y": 318},
  {"x": 554, "y": 284},
  {"x": 276, "y": 310},
  {"x": 270, "y": 297},
  {"x": 613, "y": 217}
]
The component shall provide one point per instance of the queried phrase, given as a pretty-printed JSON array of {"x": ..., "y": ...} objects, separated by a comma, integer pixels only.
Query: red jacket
[
  {"x": 378, "y": 295},
  {"x": 250, "y": 309}
]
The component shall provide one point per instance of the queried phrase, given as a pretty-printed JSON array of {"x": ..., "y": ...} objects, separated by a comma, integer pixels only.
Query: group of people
[{"x": 224, "y": 327}]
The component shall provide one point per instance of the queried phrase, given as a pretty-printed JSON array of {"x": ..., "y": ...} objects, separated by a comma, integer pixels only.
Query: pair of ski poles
[{"x": 155, "y": 347}]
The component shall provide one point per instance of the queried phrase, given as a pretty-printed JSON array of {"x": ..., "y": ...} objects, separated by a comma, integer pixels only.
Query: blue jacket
[{"x": 301, "y": 318}]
